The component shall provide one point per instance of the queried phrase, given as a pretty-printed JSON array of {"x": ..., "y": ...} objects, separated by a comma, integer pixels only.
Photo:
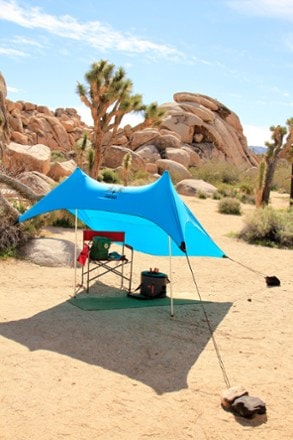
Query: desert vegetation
[{"x": 108, "y": 95}]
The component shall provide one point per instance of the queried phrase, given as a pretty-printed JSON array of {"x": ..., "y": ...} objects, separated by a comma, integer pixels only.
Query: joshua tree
[
  {"x": 153, "y": 116},
  {"x": 288, "y": 154},
  {"x": 82, "y": 146},
  {"x": 126, "y": 164},
  {"x": 268, "y": 164},
  {"x": 109, "y": 97}
]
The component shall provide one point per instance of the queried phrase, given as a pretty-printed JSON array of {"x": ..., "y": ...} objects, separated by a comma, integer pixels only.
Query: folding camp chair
[{"x": 101, "y": 260}]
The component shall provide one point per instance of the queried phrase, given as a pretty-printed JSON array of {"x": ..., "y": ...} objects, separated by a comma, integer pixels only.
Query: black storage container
[{"x": 153, "y": 284}]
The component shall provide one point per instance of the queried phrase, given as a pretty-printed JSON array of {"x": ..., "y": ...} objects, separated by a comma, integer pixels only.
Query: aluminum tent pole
[
  {"x": 170, "y": 275},
  {"x": 75, "y": 253}
]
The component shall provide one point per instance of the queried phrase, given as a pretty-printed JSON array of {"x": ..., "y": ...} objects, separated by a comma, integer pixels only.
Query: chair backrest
[{"x": 117, "y": 236}]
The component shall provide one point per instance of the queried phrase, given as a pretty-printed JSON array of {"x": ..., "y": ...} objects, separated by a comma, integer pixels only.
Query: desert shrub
[
  {"x": 202, "y": 195},
  {"x": 227, "y": 190},
  {"x": 282, "y": 177},
  {"x": 247, "y": 188},
  {"x": 216, "y": 196},
  {"x": 58, "y": 156},
  {"x": 20, "y": 206},
  {"x": 229, "y": 180},
  {"x": 216, "y": 172},
  {"x": 229, "y": 205},
  {"x": 269, "y": 227},
  {"x": 247, "y": 198},
  {"x": 141, "y": 177},
  {"x": 11, "y": 236},
  {"x": 108, "y": 175}
]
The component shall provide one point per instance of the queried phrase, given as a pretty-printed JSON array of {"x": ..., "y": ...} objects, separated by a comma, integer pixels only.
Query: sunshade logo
[{"x": 113, "y": 192}]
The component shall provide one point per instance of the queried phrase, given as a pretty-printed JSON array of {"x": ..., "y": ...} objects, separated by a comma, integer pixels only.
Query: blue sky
[{"x": 237, "y": 51}]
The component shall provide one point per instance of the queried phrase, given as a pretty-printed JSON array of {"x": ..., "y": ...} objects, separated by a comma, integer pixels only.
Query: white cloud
[
  {"x": 12, "y": 52},
  {"x": 271, "y": 8},
  {"x": 96, "y": 34},
  {"x": 12, "y": 89},
  {"x": 256, "y": 135}
]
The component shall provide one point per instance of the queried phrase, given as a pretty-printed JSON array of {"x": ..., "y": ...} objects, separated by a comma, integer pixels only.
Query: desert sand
[{"x": 140, "y": 373}]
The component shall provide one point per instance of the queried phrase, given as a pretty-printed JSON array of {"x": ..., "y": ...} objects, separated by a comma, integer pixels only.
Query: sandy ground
[{"x": 138, "y": 373}]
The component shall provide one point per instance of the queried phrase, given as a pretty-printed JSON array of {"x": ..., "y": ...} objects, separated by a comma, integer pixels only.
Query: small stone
[
  {"x": 248, "y": 406},
  {"x": 231, "y": 394}
]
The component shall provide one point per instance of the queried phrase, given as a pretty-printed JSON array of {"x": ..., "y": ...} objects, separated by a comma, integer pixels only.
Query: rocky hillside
[{"x": 195, "y": 129}]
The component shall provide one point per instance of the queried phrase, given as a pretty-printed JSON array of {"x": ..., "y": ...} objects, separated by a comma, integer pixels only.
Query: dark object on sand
[
  {"x": 272, "y": 281},
  {"x": 248, "y": 406},
  {"x": 237, "y": 400}
]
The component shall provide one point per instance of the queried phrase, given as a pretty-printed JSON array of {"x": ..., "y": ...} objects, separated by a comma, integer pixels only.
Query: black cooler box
[{"x": 153, "y": 284}]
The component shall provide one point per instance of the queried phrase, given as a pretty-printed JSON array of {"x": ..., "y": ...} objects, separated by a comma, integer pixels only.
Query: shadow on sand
[{"x": 146, "y": 345}]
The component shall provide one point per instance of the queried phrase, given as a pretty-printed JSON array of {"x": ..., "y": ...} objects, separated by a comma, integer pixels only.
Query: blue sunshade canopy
[{"x": 152, "y": 216}]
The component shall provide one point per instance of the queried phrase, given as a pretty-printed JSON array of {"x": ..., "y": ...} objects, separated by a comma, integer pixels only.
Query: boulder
[
  {"x": 205, "y": 125},
  {"x": 39, "y": 183},
  {"x": 19, "y": 138},
  {"x": 191, "y": 187},
  {"x": 206, "y": 101},
  {"x": 194, "y": 158},
  {"x": 182, "y": 123},
  {"x": 148, "y": 153},
  {"x": 151, "y": 168},
  {"x": 49, "y": 252},
  {"x": 178, "y": 155},
  {"x": 177, "y": 171},
  {"x": 143, "y": 137},
  {"x": 114, "y": 155},
  {"x": 167, "y": 141},
  {"x": 59, "y": 170},
  {"x": 4, "y": 115},
  {"x": 18, "y": 158}
]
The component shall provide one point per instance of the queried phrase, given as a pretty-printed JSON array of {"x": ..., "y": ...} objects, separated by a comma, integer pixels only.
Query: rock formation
[{"x": 195, "y": 129}]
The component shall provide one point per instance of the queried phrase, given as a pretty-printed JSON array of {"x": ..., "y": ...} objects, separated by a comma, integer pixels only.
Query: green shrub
[
  {"x": 216, "y": 196},
  {"x": 216, "y": 172},
  {"x": 58, "y": 156},
  {"x": 282, "y": 177},
  {"x": 228, "y": 190},
  {"x": 108, "y": 175},
  {"x": 269, "y": 227},
  {"x": 247, "y": 198},
  {"x": 62, "y": 219},
  {"x": 229, "y": 205},
  {"x": 202, "y": 195},
  {"x": 11, "y": 236}
]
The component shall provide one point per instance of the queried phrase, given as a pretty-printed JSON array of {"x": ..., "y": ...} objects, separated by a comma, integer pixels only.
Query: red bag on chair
[{"x": 83, "y": 256}]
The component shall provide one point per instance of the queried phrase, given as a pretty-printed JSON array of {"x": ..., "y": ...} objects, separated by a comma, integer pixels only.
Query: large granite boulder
[
  {"x": 49, "y": 252},
  {"x": 19, "y": 158},
  {"x": 196, "y": 128}
]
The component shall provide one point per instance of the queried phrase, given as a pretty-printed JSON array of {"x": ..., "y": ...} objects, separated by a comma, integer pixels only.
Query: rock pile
[{"x": 195, "y": 129}]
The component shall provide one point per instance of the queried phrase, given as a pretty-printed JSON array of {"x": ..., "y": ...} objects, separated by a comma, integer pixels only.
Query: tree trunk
[
  {"x": 10, "y": 211},
  {"x": 271, "y": 166},
  {"x": 291, "y": 187},
  {"x": 22, "y": 189}
]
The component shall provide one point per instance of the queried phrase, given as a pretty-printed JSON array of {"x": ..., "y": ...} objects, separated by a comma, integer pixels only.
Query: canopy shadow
[{"x": 144, "y": 344}]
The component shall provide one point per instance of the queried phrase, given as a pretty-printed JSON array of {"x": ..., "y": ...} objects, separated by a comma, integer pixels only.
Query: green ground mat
[{"x": 124, "y": 302}]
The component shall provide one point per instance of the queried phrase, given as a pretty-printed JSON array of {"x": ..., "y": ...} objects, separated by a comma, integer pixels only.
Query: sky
[{"x": 239, "y": 52}]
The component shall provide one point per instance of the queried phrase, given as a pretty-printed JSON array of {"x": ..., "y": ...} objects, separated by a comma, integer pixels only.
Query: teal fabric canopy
[{"x": 152, "y": 216}]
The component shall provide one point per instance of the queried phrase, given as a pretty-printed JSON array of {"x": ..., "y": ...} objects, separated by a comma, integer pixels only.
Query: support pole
[
  {"x": 75, "y": 254},
  {"x": 170, "y": 276}
]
